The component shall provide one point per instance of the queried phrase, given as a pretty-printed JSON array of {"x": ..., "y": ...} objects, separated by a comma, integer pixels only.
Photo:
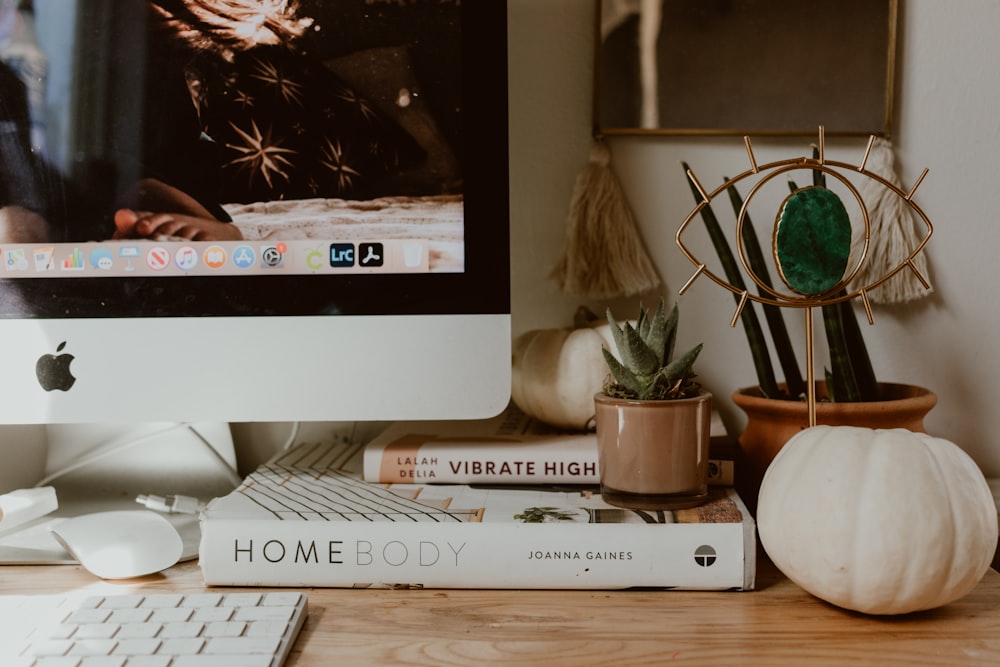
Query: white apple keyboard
[{"x": 204, "y": 629}]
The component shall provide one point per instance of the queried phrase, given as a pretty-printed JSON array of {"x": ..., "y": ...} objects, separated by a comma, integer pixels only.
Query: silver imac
[
  {"x": 249, "y": 210},
  {"x": 219, "y": 211}
]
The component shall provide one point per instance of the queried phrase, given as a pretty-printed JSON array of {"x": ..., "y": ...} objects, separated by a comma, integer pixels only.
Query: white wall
[{"x": 946, "y": 119}]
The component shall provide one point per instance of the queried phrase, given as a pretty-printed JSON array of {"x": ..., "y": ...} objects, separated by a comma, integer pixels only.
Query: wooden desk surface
[{"x": 778, "y": 624}]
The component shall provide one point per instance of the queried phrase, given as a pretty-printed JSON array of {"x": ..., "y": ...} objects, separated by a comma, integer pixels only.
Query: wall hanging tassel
[
  {"x": 894, "y": 233},
  {"x": 603, "y": 256}
]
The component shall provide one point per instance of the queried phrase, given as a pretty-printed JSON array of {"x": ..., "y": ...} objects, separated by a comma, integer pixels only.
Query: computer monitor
[{"x": 359, "y": 148}]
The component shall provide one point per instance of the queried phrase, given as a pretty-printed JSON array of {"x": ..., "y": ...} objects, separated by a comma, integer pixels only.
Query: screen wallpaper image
[{"x": 230, "y": 138}]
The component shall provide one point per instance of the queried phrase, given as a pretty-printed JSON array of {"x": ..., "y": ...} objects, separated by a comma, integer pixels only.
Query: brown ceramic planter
[
  {"x": 772, "y": 422},
  {"x": 653, "y": 454}
]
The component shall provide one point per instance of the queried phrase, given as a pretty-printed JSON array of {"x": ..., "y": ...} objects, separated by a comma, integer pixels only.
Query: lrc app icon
[{"x": 341, "y": 255}]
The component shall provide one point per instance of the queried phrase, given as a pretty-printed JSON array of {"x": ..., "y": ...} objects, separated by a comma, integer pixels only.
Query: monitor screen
[{"x": 248, "y": 210}]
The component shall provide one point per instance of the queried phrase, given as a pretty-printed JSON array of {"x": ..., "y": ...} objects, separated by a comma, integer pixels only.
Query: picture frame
[{"x": 736, "y": 67}]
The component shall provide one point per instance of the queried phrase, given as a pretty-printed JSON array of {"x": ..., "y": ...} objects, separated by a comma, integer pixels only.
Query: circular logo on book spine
[{"x": 705, "y": 555}]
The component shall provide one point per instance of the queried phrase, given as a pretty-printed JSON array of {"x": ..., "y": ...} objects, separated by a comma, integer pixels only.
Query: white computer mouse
[{"x": 120, "y": 544}]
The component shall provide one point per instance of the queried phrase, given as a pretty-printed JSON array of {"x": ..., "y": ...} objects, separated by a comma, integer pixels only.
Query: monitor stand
[{"x": 102, "y": 467}]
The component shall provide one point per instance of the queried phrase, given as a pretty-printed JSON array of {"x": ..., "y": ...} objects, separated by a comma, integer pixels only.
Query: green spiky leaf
[
  {"x": 622, "y": 375},
  {"x": 645, "y": 367}
]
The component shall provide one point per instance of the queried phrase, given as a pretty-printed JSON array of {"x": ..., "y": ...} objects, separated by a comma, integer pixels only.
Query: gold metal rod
[
  {"x": 701, "y": 190},
  {"x": 916, "y": 272},
  {"x": 753, "y": 160},
  {"x": 810, "y": 372},
  {"x": 868, "y": 306},
  {"x": 822, "y": 143},
  {"x": 868, "y": 151},
  {"x": 739, "y": 308},
  {"x": 698, "y": 272},
  {"x": 916, "y": 185}
]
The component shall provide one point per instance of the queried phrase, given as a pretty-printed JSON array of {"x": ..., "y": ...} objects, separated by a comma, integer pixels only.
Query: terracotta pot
[
  {"x": 772, "y": 422},
  {"x": 653, "y": 454}
]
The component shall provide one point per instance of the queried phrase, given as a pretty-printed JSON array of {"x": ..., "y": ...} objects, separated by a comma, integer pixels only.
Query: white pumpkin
[
  {"x": 877, "y": 521},
  {"x": 556, "y": 372}
]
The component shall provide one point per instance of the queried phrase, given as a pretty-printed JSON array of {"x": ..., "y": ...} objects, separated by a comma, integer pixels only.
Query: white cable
[
  {"x": 291, "y": 436},
  {"x": 112, "y": 448},
  {"x": 175, "y": 504},
  {"x": 234, "y": 475},
  {"x": 115, "y": 447}
]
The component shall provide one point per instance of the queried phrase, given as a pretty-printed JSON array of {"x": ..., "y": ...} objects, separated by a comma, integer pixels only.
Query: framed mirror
[{"x": 761, "y": 67}]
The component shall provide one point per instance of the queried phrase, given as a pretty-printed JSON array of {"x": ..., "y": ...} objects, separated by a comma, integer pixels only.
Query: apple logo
[{"x": 53, "y": 370}]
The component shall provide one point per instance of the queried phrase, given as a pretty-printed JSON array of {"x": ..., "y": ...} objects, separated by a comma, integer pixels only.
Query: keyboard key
[
  {"x": 59, "y": 631},
  {"x": 213, "y": 614},
  {"x": 242, "y": 645},
  {"x": 221, "y": 661},
  {"x": 123, "y": 616},
  {"x": 83, "y": 616},
  {"x": 149, "y": 661},
  {"x": 137, "y": 646},
  {"x": 139, "y": 630},
  {"x": 121, "y": 602},
  {"x": 266, "y": 629},
  {"x": 281, "y": 599},
  {"x": 52, "y": 662},
  {"x": 92, "y": 647},
  {"x": 264, "y": 614},
  {"x": 225, "y": 629},
  {"x": 200, "y": 600},
  {"x": 241, "y": 599},
  {"x": 97, "y": 631},
  {"x": 161, "y": 601},
  {"x": 172, "y": 630},
  {"x": 104, "y": 661},
  {"x": 182, "y": 646},
  {"x": 171, "y": 615}
]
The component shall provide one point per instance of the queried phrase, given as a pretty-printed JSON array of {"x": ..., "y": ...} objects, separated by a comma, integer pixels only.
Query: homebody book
[{"x": 307, "y": 518}]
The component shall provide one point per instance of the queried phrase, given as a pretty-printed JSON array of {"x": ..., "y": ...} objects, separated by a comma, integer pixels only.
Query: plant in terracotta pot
[
  {"x": 849, "y": 394},
  {"x": 653, "y": 418}
]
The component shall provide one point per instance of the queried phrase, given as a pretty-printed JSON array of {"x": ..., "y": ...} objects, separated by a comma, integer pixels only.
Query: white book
[
  {"x": 306, "y": 518},
  {"x": 511, "y": 448}
]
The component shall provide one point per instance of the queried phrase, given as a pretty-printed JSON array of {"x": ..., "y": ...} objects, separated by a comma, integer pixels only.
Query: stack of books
[{"x": 500, "y": 503}]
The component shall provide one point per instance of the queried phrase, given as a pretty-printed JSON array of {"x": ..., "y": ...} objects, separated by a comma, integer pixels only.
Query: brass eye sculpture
[{"x": 811, "y": 242}]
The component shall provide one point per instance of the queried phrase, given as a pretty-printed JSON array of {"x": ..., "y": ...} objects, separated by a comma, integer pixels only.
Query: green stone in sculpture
[{"x": 812, "y": 241}]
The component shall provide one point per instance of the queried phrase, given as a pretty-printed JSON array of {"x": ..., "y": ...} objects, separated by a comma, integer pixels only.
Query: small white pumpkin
[
  {"x": 877, "y": 521},
  {"x": 556, "y": 372}
]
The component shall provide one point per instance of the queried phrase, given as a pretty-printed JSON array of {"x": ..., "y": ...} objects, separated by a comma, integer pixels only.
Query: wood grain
[{"x": 777, "y": 624}]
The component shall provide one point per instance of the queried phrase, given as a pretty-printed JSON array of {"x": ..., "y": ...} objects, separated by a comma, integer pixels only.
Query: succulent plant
[{"x": 645, "y": 368}]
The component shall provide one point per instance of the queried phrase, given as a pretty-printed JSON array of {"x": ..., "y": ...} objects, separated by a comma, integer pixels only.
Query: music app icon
[{"x": 186, "y": 258}]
